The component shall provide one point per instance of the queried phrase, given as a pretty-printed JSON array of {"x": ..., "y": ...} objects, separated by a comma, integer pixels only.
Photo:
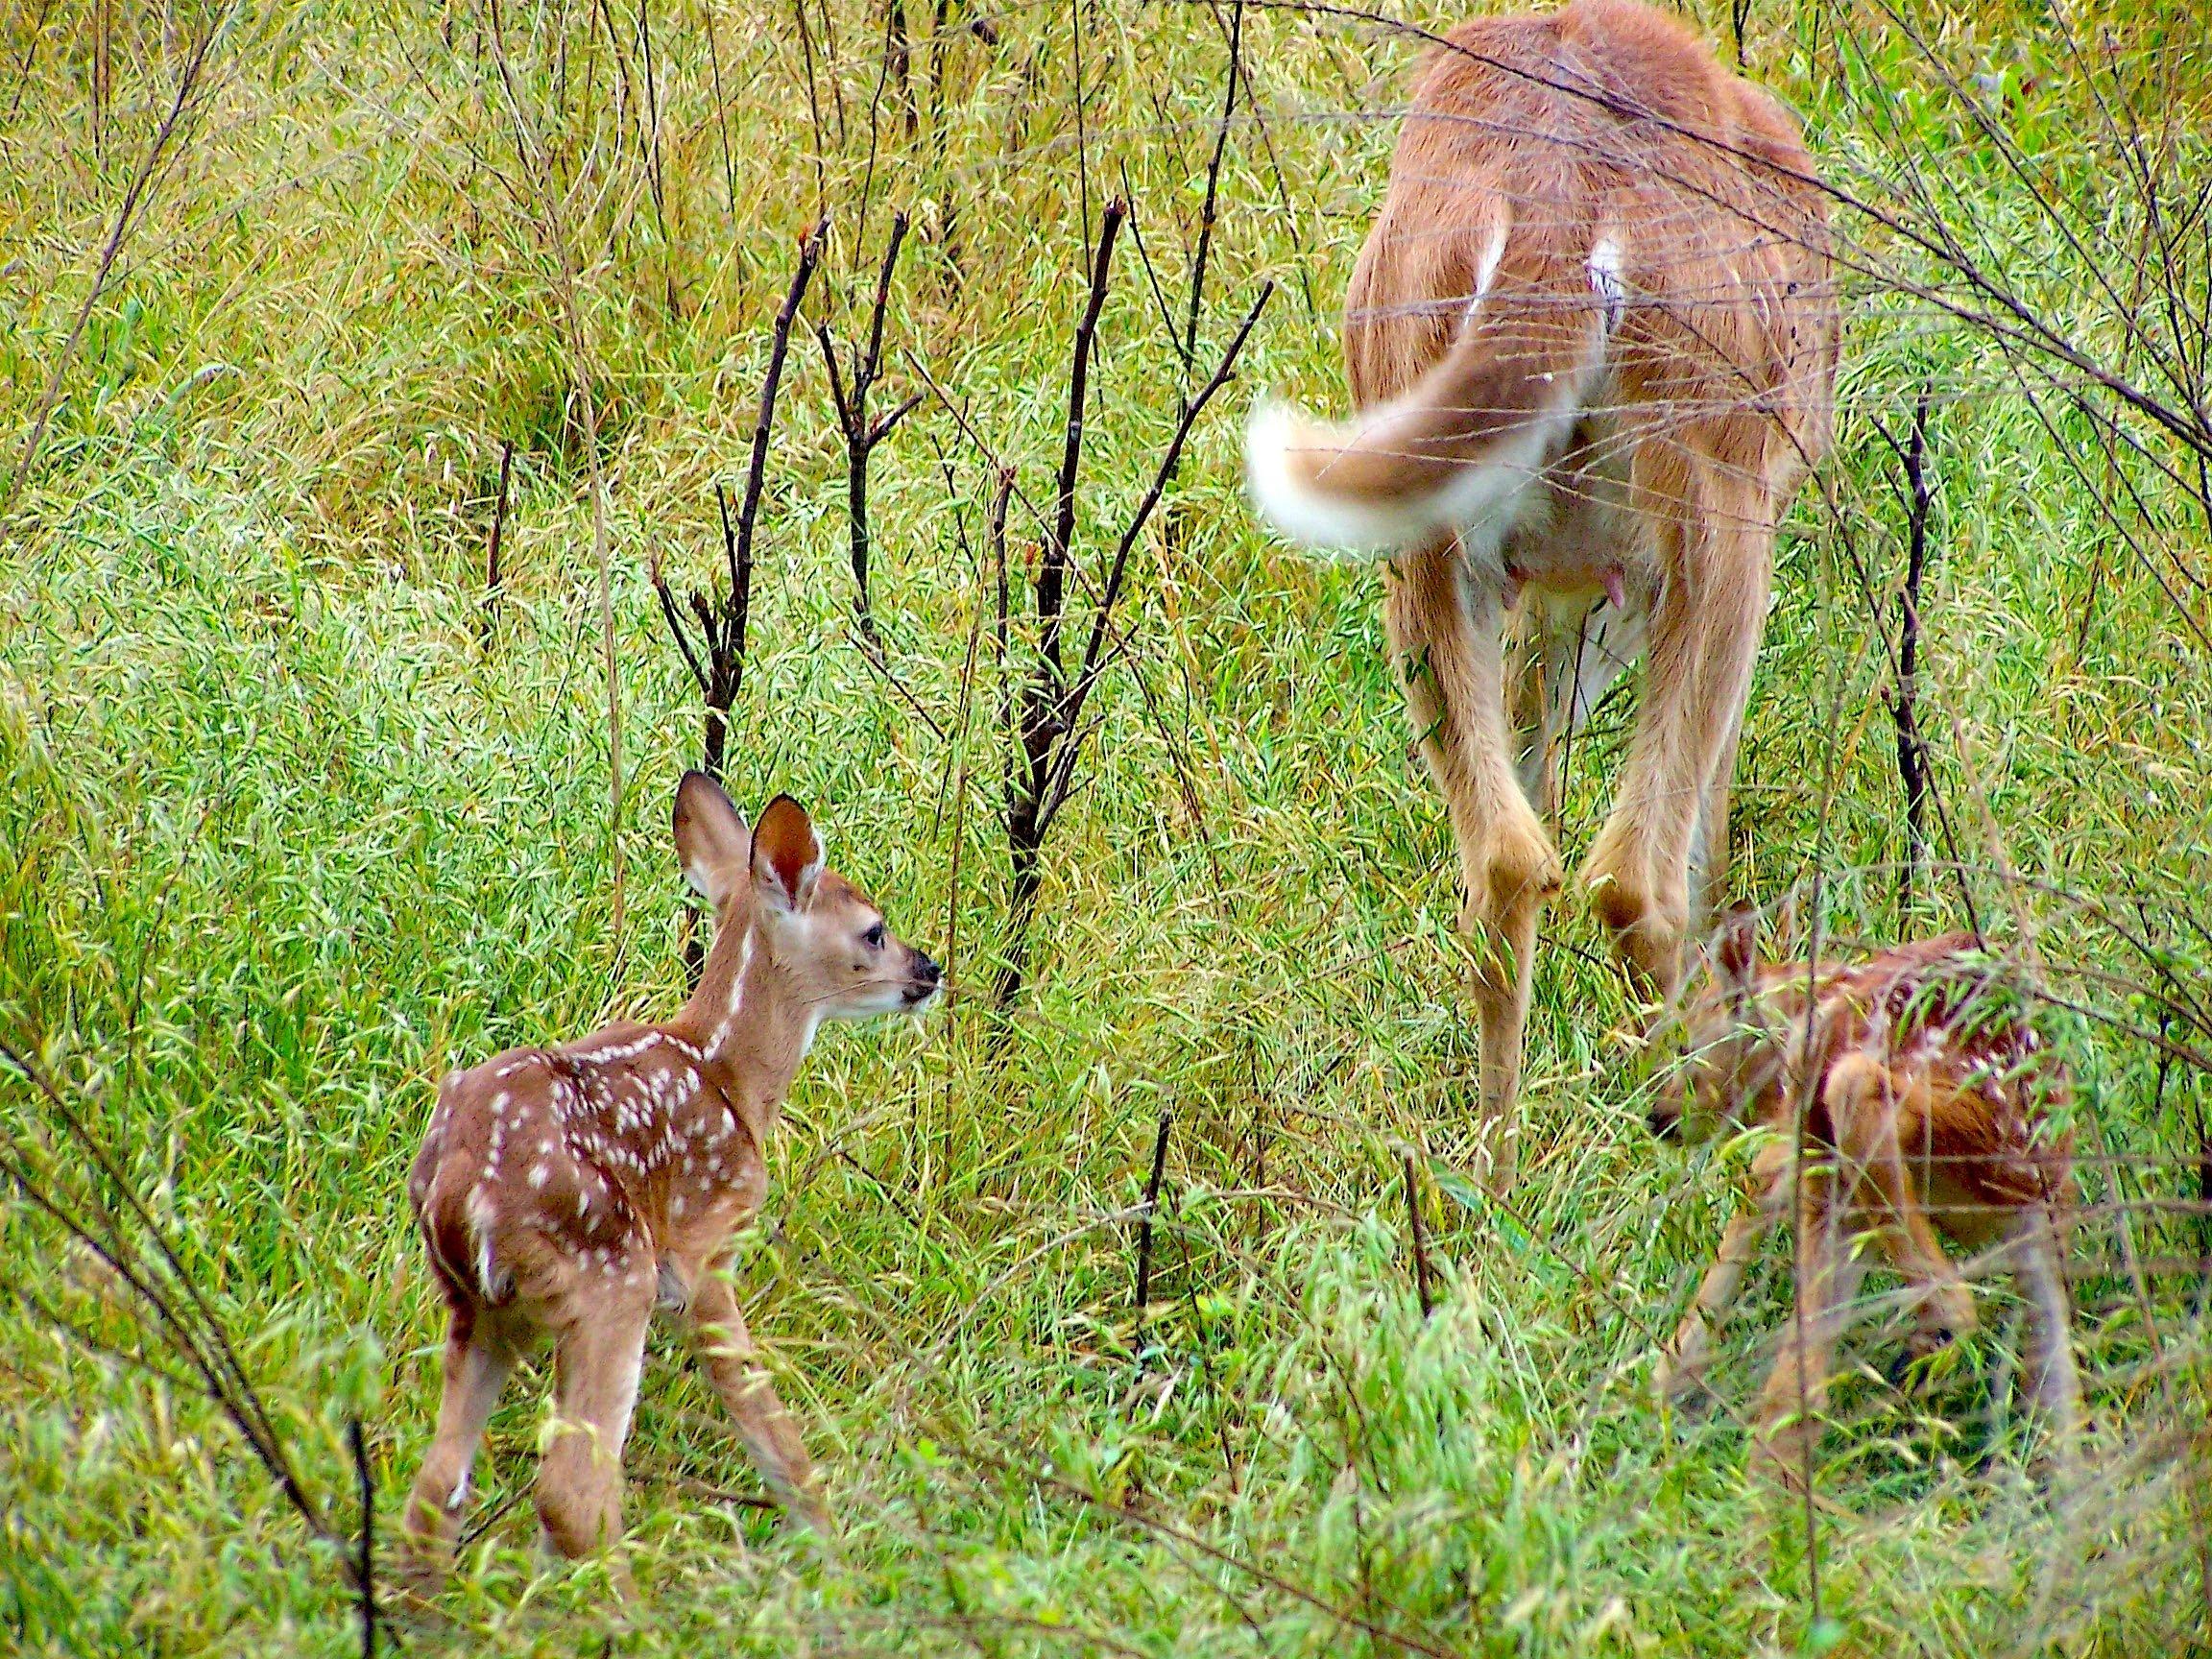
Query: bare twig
[
  {"x": 723, "y": 623},
  {"x": 1052, "y": 568},
  {"x": 365, "y": 1570},
  {"x": 655, "y": 171},
  {"x": 1904, "y": 709},
  {"x": 1151, "y": 1209},
  {"x": 813, "y": 113},
  {"x": 1051, "y": 723},
  {"x": 181, "y": 1312},
  {"x": 1420, "y": 1238},
  {"x": 1206, "y": 214},
  {"x": 749, "y": 509},
  {"x": 491, "y": 570},
  {"x": 721, "y": 115},
  {"x": 30, "y": 55},
  {"x": 1093, "y": 663},
  {"x": 1042, "y": 718}
]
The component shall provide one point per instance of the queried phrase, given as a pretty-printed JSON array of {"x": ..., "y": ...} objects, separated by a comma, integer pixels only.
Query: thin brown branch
[
  {"x": 849, "y": 395},
  {"x": 1151, "y": 1209},
  {"x": 1092, "y": 666},
  {"x": 1206, "y": 215},
  {"x": 493, "y": 573},
  {"x": 1052, "y": 568}
]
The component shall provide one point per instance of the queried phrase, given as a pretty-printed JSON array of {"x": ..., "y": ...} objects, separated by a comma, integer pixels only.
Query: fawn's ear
[
  {"x": 1735, "y": 951},
  {"x": 711, "y": 839},
  {"x": 788, "y": 856}
]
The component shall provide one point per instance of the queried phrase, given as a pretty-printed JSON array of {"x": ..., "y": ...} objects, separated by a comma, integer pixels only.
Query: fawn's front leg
[
  {"x": 1681, "y": 1370},
  {"x": 725, "y": 1347},
  {"x": 1787, "y": 1426}
]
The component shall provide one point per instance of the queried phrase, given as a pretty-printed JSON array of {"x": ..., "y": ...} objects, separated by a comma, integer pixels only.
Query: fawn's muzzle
[{"x": 1665, "y": 1121}]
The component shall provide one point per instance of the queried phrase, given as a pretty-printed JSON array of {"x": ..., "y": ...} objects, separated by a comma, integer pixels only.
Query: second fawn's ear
[
  {"x": 711, "y": 839},
  {"x": 788, "y": 855},
  {"x": 1735, "y": 953}
]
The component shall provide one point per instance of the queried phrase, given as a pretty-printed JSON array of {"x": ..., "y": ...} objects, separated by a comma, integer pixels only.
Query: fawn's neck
[{"x": 744, "y": 1019}]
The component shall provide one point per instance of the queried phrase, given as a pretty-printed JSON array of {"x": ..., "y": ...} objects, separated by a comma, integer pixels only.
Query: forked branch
[
  {"x": 849, "y": 390},
  {"x": 1048, "y": 723},
  {"x": 171, "y": 1308},
  {"x": 1904, "y": 701}
]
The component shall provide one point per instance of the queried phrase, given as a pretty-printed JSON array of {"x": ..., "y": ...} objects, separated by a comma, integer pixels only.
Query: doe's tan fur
[
  {"x": 562, "y": 1191},
  {"x": 1592, "y": 342},
  {"x": 1910, "y": 1096}
]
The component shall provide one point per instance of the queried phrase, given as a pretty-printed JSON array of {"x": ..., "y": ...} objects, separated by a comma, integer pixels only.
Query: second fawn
[
  {"x": 564, "y": 1192},
  {"x": 1923, "y": 1099}
]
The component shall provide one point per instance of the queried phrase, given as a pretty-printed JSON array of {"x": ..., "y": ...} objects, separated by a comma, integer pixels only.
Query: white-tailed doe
[
  {"x": 1593, "y": 341},
  {"x": 1923, "y": 1099},
  {"x": 562, "y": 1191}
]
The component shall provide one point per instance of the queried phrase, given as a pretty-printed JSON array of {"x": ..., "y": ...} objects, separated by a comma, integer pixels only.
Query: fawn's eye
[{"x": 874, "y": 937}]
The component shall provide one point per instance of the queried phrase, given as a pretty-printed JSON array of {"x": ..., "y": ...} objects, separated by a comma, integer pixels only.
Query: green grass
[{"x": 282, "y": 836}]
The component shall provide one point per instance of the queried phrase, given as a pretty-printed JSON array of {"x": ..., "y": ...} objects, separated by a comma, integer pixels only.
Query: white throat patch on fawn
[{"x": 562, "y": 1191}]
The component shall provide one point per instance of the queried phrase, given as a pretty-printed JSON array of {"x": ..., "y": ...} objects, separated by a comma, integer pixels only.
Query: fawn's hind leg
[
  {"x": 2039, "y": 1265},
  {"x": 597, "y": 1357},
  {"x": 1875, "y": 1114},
  {"x": 475, "y": 1371},
  {"x": 1447, "y": 637}
]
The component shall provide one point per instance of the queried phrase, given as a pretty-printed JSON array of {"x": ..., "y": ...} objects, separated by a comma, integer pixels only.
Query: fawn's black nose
[
  {"x": 926, "y": 977},
  {"x": 1666, "y": 1123}
]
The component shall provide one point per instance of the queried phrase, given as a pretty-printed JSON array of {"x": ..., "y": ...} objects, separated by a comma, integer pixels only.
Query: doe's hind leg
[
  {"x": 1672, "y": 803},
  {"x": 1447, "y": 636}
]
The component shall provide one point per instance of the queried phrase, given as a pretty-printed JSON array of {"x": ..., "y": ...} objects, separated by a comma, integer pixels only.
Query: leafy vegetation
[{"x": 287, "y": 828}]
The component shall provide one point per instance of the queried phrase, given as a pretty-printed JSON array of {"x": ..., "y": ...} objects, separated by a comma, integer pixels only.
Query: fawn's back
[
  {"x": 544, "y": 1167},
  {"x": 1929, "y": 1043}
]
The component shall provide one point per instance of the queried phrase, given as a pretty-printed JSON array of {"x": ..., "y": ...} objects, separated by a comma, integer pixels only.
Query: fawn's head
[
  {"x": 1730, "y": 1057},
  {"x": 824, "y": 935}
]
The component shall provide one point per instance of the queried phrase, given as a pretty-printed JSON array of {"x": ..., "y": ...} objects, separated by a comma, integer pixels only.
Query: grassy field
[{"x": 293, "y": 818}]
